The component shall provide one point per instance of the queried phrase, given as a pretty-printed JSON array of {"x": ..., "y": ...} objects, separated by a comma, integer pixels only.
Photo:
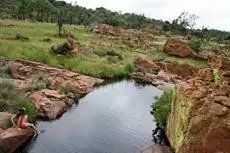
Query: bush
[
  {"x": 21, "y": 101},
  {"x": 40, "y": 81},
  {"x": 195, "y": 44},
  {"x": 162, "y": 107},
  {"x": 62, "y": 49},
  {"x": 6, "y": 72},
  {"x": 105, "y": 51}
]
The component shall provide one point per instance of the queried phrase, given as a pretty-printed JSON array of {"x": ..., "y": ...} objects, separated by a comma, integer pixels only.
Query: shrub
[
  {"x": 20, "y": 37},
  {"x": 195, "y": 44},
  {"x": 162, "y": 107},
  {"x": 68, "y": 88},
  {"x": 62, "y": 49},
  {"x": 105, "y": 51},
  {"x": 40, "y": 81},
  {"x": 20, "y": 101},
  {"x": 6, "y": 89},
  {"x": 6, "y": 72}
]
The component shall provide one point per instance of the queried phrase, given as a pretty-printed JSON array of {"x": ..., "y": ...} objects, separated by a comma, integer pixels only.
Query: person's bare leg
[{"x": 32, "y": 126}]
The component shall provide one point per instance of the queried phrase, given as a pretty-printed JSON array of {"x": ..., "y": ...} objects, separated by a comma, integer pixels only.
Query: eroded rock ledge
[
  {"x": 50, "y": 101},
  {"x": 199, "y": 121}
]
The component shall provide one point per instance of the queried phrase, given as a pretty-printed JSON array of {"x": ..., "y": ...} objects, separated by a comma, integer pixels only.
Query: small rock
[{"x": 47, "y": 39}]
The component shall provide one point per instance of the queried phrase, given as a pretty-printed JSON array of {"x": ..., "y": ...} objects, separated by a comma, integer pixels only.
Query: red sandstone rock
[
  {"x": 146, "y": 64},
  {"x": 182, "y": 70},
  {"x": 178, "y": 48},
  {"x": 106, "y": 29},
  {"x": 220, "y": 62},
  {"x": 50, "y": 103},
  {"x": 12, "y": 138},
  {"x": 200, "y": 118}
]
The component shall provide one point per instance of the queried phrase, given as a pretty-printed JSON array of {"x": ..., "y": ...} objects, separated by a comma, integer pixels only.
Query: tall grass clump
[
  {"x": 11, "y": 101},
  {"x": 40, "y": 81},
  {"x": 162, "y": 107}
]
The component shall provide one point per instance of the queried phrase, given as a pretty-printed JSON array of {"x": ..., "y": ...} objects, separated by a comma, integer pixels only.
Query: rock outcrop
[
  {"x": 50, "y": 101},
  {"x": 199, "y": 119},
  {"x": 146, "y": 64},
  {"x": 220, "y": 62},
  {"x": 11, "y": 139},
  {"x": 176, "y": 47}
]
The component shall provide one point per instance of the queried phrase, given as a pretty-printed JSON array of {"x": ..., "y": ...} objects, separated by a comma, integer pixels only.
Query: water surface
[{"x": 114, "y": 118}]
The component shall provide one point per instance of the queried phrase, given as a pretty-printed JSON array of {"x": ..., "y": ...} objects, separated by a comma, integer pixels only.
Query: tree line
[{"x": 61, "y": 13}]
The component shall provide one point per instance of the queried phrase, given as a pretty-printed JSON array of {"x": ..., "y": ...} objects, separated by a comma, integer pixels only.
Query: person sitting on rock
[{"x": 20, "y": 120}]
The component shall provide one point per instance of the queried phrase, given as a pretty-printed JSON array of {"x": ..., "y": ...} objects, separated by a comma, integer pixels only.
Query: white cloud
[{"x": 212, "y": 13}]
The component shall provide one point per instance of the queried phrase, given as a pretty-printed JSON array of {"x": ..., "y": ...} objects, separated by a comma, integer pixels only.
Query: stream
[{"x": 114, "y": 118}]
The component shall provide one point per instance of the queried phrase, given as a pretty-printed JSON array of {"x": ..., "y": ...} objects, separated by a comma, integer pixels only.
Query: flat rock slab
[
  {"x": 11, "y": 139},
  {"x": 26, "y": 70}
]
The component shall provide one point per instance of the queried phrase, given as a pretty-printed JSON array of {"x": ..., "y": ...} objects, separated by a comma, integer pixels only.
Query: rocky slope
[{"x": 199, "y": 118}]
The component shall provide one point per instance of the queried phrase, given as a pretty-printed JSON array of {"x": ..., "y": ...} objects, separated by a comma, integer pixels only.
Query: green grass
[
  {"x": 160, "y": 55},
  {"x": 40, "y": 81},
  {"x": 37, "y": 50},
  {"x": 11, "y": 100},
  {"x": 93, "y": 58},
  {"x": 162, "y": 107}
]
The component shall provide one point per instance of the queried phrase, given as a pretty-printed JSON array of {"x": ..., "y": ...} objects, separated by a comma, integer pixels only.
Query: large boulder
[
  {"x": 146, "y": 64},
  {"x": 178, "y": 48},
  {"x": 50, "y": 103},
  {"x": 182, "y": 70},
  {"x": 199, "y": 119},
  {"x": 11, "y": 139}
]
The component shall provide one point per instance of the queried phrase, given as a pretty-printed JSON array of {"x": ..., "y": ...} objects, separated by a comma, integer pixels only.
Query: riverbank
[
  {"x": 112, "y": 118},
  {"x": 200, "y": 101},
  {"x": 50, "y": 92}
]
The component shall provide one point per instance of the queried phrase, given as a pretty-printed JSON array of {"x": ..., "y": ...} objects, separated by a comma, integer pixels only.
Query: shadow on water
[{"x": 159, "y": 136}]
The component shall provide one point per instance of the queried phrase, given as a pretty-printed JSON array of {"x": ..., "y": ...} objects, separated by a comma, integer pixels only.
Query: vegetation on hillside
[{"x": 61, "y": 12}]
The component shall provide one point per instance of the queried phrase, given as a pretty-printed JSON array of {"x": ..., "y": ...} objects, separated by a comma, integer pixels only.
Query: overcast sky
[{"x": 212, "y": 13}]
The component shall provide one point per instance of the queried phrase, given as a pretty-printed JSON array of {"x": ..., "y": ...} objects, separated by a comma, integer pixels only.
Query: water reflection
[{"x": 114, "y": 118}]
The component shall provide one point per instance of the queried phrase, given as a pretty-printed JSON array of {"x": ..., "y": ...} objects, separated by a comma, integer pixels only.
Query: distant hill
[{"x": 52, "y": 11}]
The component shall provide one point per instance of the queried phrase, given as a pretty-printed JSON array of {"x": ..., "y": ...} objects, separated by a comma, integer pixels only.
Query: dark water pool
[{"x": 114, "y": 118}]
